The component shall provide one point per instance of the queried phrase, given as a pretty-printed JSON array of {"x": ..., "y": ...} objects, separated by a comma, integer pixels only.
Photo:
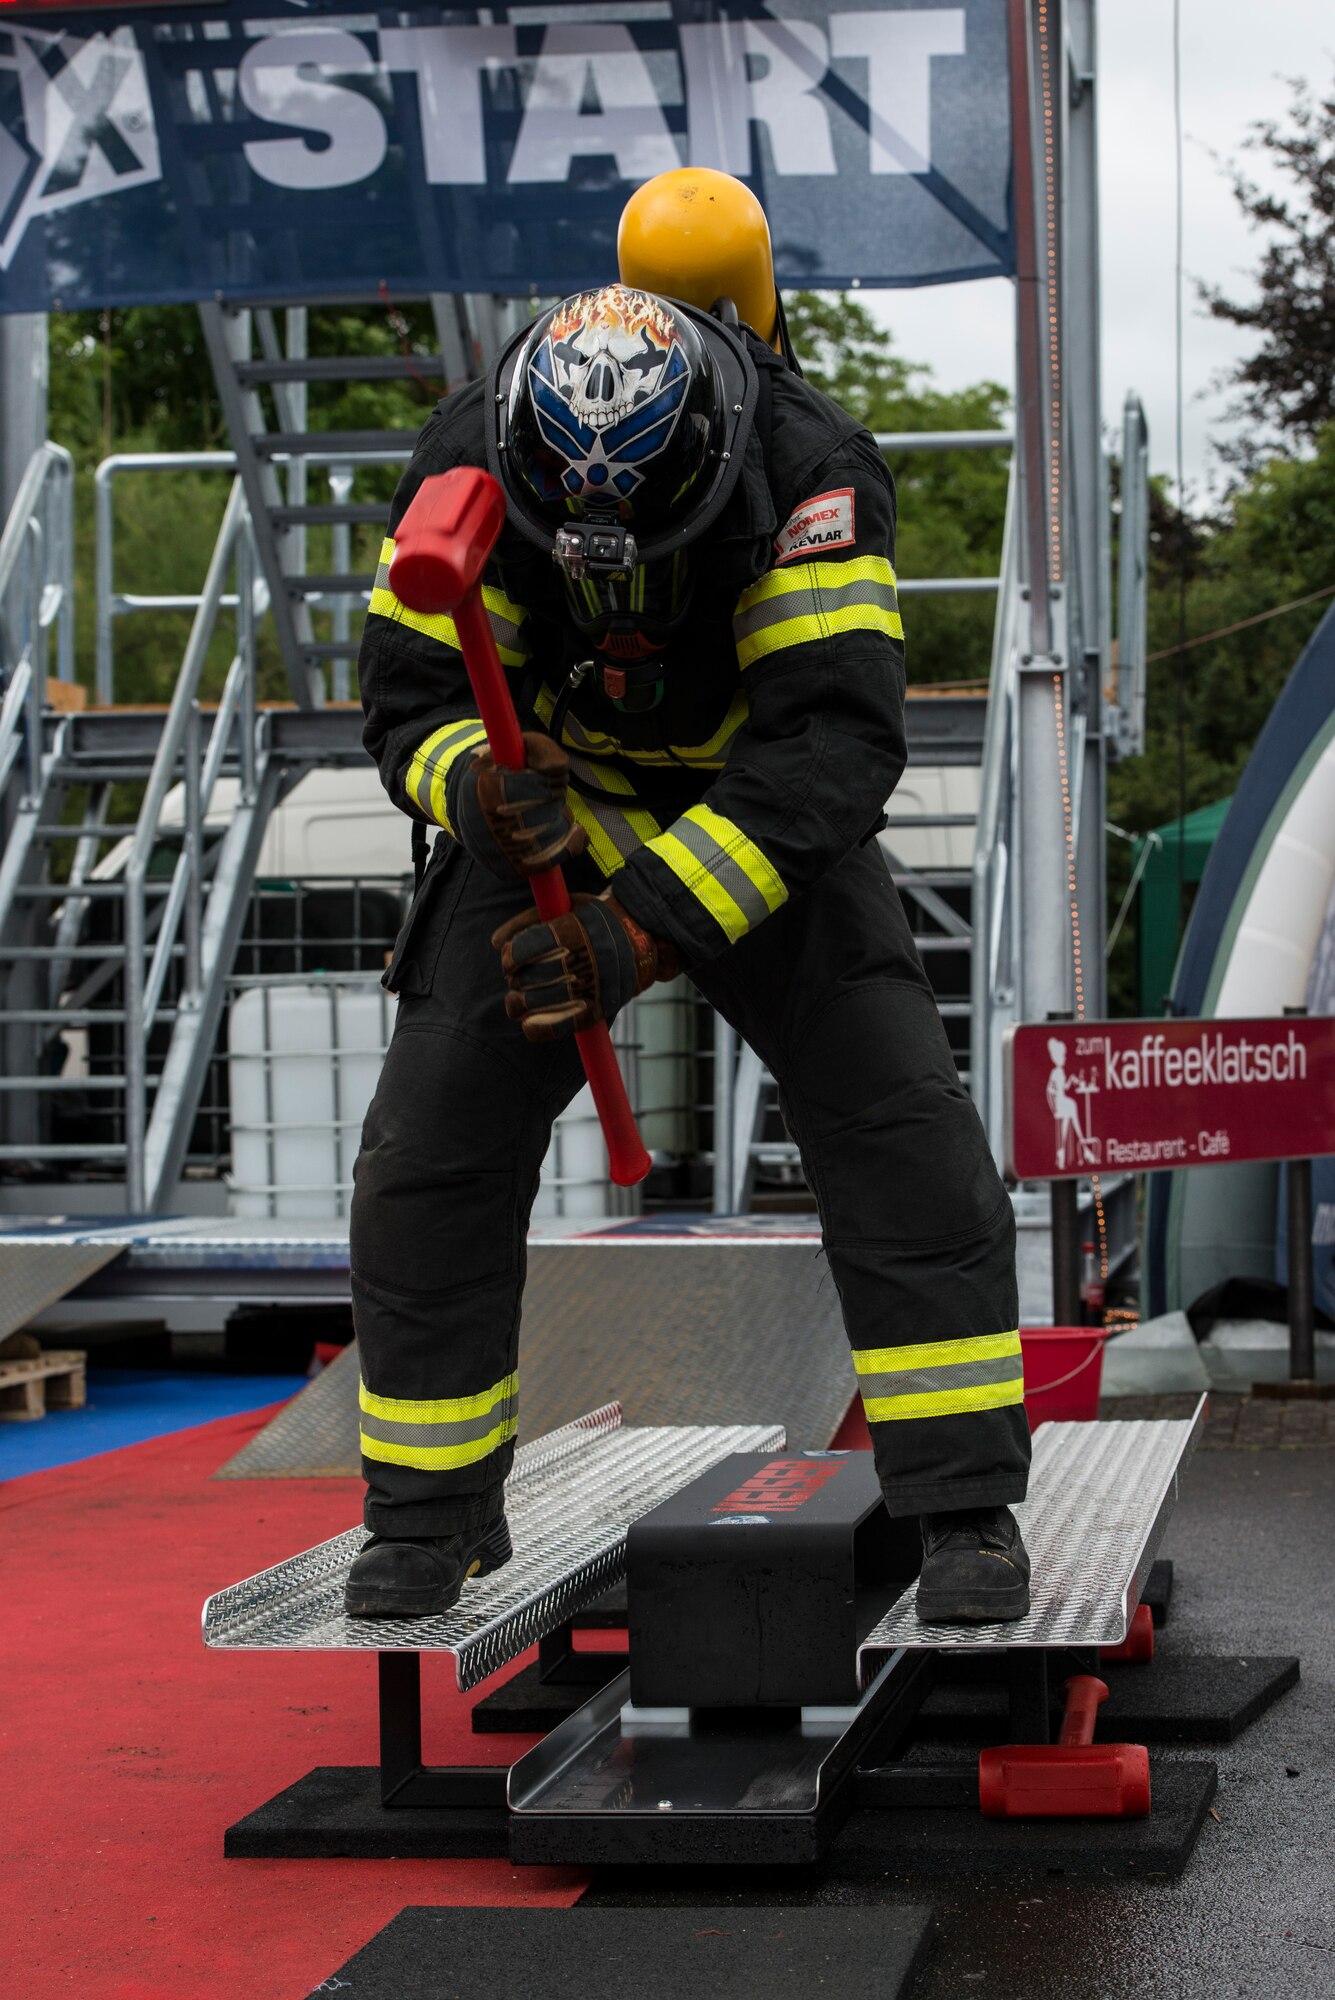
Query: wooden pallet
[{"x": 55, "y": 1381}]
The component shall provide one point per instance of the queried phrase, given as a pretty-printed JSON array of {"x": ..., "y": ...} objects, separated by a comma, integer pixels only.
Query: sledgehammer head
[{"x": 445, "y": 538}]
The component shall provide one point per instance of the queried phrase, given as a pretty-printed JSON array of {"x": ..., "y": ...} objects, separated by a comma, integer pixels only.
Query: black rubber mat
[
  {"x": 336, "y": 1810},
  {"x": 678, "y": 1333},
  {"x": 670, "y": 1954},
  {"x": 1200, "y": 1699}
]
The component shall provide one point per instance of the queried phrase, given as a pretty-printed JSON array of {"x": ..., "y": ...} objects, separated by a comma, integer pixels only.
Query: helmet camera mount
[{"x": 594, "y": 547}]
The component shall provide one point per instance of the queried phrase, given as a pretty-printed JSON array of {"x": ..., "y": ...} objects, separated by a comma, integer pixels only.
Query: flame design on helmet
[{"x": 616, "y": 308}]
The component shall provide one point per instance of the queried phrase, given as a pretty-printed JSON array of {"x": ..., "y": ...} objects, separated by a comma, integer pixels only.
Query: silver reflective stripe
[
  {"x": 929, "y": 1381},
  {"x": 808, "y": 603},
  {"x": 508, "y": 634},
  {"x": 725, "y": 871},
  {"x": 442, "y": 751},
  {"x": 466, "y": 1431}
]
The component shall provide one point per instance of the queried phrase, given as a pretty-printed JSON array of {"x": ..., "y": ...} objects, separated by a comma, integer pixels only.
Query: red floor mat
[{"x": 128, "y": 1747}]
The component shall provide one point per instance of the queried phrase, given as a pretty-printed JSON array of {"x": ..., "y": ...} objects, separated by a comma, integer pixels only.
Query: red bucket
[{"x": 1063, "y": 1370}]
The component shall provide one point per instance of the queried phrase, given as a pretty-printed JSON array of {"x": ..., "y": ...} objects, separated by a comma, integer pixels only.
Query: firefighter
[{"x": 694, "y": 594}]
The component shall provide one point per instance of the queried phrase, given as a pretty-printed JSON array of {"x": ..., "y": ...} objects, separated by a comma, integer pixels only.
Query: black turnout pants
[{"x": 918, "y": 1229}]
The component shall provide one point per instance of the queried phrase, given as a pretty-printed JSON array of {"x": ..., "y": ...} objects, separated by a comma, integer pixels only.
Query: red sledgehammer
[
  {"x": 1075, "y": 1777},
  {"x": 442, "y": 546}
]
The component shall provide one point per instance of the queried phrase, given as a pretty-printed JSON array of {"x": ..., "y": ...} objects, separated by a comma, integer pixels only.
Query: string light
[{"x": 1068, "y": 831}]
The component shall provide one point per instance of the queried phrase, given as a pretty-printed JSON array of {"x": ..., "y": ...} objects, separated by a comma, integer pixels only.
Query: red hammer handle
[
  {"x": 1084, "y": 1694},
  {"x": 444, "y": 540},
  {"x": 627, "y": 1157}
]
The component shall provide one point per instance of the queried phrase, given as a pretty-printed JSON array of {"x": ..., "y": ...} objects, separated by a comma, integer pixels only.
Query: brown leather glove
[
  {"x": 515, "y": 822},
  {"x": 580, "y": 968}
]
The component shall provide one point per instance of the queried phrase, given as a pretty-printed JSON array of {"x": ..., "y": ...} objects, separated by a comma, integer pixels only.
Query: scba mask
[{"x": 618, "y": 426}]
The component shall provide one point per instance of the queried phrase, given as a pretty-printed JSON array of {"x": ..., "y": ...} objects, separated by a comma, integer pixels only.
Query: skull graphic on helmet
[{"x": 608, "y": 383}]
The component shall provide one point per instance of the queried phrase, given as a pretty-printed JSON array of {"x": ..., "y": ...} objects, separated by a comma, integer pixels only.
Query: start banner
[
  {"x": 1086, "y": 1097},
  {"x": 185, "y": 151}
]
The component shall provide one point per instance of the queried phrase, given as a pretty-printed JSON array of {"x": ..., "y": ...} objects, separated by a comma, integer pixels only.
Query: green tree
[
  {"x": 140, "y": 380},
  {"x": 1287, "y": 383}
]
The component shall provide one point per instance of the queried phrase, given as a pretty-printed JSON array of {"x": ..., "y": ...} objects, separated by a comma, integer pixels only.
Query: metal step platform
[
  {"x": 1099, "y": 1500},
  {"x": 570, "y": 1499}
]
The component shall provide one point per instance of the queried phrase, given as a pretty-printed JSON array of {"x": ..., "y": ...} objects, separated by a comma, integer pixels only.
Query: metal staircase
[
  {"x": 121, "y": 909},
  {"x": 264, "y": 383}
]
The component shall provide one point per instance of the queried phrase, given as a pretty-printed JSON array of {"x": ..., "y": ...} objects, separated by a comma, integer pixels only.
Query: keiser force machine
[{"x": 777, "y": 1679}]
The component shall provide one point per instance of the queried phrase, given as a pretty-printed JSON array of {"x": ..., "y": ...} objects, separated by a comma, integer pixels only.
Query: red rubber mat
[{"x": 127, "y": 1748}]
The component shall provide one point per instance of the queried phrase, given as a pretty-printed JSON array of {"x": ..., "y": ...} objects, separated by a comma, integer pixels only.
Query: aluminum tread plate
[
  {"x": 1100, "y": 1495},
  {"x": 36, "y": 1271},
  {"x": 684, "y": 1332},
  {"x": 314, "y": 1436},
  {"x": 570, "y": 1501}
]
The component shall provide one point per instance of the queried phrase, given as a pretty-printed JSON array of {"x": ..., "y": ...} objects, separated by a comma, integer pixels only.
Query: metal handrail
[
  {"x": 36, "y": 593},
  {"x": 110, "y": 604},
  {"x": 991, "y": 853},
  {"x": 181, "y": 744},
  {"x": 945, "y": 586}
]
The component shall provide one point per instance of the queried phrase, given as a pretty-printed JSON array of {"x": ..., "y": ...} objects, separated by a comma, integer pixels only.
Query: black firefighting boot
[
  {"x": 416, "y": 1579},
  {"x": 975, "y": 1567}
]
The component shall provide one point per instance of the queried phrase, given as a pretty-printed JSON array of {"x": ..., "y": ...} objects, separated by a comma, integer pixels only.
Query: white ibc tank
[{"x": 304, "y": 1057}]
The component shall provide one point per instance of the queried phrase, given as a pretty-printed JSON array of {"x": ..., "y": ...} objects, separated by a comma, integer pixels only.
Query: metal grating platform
[
  {"x": 570, "y": 1500},
  {"x": 688, "y": 1330},
  {"x": 1099, "y": 1499}
]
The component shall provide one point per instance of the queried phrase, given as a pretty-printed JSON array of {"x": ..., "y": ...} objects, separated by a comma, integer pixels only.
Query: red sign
[{"x": 1085, "y": 1097}]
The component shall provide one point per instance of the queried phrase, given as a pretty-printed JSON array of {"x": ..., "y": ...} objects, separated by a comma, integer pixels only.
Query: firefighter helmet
[
  {"x": 622, "y": 413},
  {"x": 699, "y": 235}
]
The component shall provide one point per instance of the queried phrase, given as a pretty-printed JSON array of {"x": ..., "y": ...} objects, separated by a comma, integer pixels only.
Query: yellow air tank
[{"x": 699, "y": 235}]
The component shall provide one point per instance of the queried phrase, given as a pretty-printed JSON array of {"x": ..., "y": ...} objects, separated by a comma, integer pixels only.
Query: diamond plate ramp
[
  {"x": 696, "y": 1331},
  {"x": 40, "y": 1265}
]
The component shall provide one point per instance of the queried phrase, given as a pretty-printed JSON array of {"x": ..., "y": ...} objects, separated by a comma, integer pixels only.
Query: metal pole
[
  {"x": 1302, "y": 1320},
  {"x": 245, "y": 590},
  {"x": 725, "y": 1072},
  {"x": 340, "y": 492},
  {"x": 36, "y": 654},
  {"x": 1064, "y": 1196},
  {"x": 1065, "y": 1253},
  {"x": 104, "y": 521},
  {"x": 194, "y": 847},
  {"x": 1302, "y": 1304}
]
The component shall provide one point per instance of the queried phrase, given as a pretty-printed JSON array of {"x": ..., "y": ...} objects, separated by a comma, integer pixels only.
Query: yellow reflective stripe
[
  {"x": 710, "y": 754},
  {"x": 739, "y": 847},
  {"x": 944, "y": 1402},
  {"x": 723, "y": 869},
  {"x": 702, "y": 885},
  {"x": 794, "y": 579},
  {"x": 827, "y": 624},
  {"x": 506, "y": 616},
  {"x": 940, "y": 1378},
  {"x": 439, "y": 1458},
  {"x": 443, "y": 1410},
  {"x": 431, "y": 764},
  {"x": 614, "y": 831},
  {"x": 601, "y": 845},
  {"x": 936, "y": 1353},
  {"x": 813, "y": 601}
]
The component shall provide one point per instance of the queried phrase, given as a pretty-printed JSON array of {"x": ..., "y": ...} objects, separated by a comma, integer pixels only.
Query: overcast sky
[{"x": 1236, "y": 55}]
